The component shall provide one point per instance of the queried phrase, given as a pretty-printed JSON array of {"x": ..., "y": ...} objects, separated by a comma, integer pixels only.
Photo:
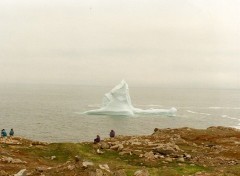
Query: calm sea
[{"x": 53, "y": 112}]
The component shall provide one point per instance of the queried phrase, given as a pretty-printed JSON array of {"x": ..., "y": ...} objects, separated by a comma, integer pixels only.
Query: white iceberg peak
[{"x": 118, "y": 102}]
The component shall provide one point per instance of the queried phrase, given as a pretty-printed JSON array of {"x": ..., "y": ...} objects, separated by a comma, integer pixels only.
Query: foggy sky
[{"x": 171, "y": 43}]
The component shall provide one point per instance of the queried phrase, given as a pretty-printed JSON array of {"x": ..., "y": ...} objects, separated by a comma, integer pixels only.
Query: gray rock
[
  {"x": 168, "y": 159},
  {"x": 149, "y": 155},
  {"x": 143, "y": 172},
  {"x": 53, "y": 157},
  {"x": 20, "y": 173},
  {"x": 99, "y": 172},
  {"x": 87, "y": 163},
  {"x": 136, "y": 143},
  {"x": 105, "y": 145},
  {"x": 14, "y": 161},
  {"x": 18, "y": 161},
  {"x": 164, "y": 151},
  {"x": 127, "y": 152},
  {"x": 71, "y": 167},
  {"x": 99, "y": 151},
  {"x": 181, "y": 159},
  {"x": 118, "y": 147},
  {"x": 137, "y": 152},
  {"x": 187, "y": 156},
  {"x": 104, "y": 167}
]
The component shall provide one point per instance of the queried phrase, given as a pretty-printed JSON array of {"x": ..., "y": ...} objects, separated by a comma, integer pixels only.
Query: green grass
[
  {"x": 130, "y": 163},
  {"x": 188, "y": 169},
  {"x": 233, "y": 170}
]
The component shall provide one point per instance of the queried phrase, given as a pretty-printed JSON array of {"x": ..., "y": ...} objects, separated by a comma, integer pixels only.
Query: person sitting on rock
[
  {"x": 4, "y": 134},
  {"x": 112, "y": 134},
  {"x": 11, "y": 133},
  {"x": 97, "y": 140}
]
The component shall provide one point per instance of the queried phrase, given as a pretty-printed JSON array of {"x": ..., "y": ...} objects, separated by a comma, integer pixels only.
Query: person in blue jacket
[
  {"x": 4, "y": 135},
  {"x": 11, "y": 133}
]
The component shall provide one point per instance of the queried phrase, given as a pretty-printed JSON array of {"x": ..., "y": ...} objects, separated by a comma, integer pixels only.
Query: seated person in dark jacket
[
  {"x": 112, "y": 134},
  {"x": 11, "y": 133},
  {"x": 97, "y": 140}
]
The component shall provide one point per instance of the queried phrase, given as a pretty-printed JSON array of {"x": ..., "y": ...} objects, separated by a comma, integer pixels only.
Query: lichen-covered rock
[
  {"x": 118, "y": 147},
  {"x": 3, "y": 173},
  {"x": 99, "y": 172},
  {"x": 105, "y": 145},
  {"x": 119, "y": 173},
  {"x": 149, "y": 156},
  {"x": 12, "y": 160},
  {"x": 87, "y": 164},
  {"x": 104, "y": 167},
  {"x": 143, "y": 172}
]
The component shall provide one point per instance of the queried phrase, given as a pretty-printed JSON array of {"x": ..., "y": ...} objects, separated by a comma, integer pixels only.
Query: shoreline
[
  {"x": 89, "y": 141},
  {"x": 170, "y": 151}
]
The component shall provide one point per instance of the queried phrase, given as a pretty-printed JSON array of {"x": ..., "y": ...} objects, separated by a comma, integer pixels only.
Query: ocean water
[{"x": 53, "y": 113}]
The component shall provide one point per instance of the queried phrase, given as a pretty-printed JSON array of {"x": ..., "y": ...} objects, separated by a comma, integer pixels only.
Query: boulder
[
  {"x": 99, "y": 172},
  {"x": 87, "y": 163},
  {"x": 53, "y": 157},
  {"x": 149, "y": 155},
  {"x": 164, "y": 151},
  {"x": 143, "y": 172},
  {"x": 39, "y": 143},
  {"x": 187, "y": 156},
  {"x": 136, "y": 143},
  {"x": 18, "y": 161},
  {"x": 137, "y": 152},
  {"x": 20, "y": 173},
  {"x": 168, "y": 159},
  {"x": 13, "y": 161},
  {"x": 118, "y": 147},
  {"x": 119, "y": 173},
  {"x": 167, "y": 149},
  {"x": 71, "y": 167},
  {"x": 181, "y": 159},
  {"x": 99, "y": 151},
  {"x": 105, "y": 145},
  {"x": 125, "y": 153},
  {"x": 104, "y": 167}
]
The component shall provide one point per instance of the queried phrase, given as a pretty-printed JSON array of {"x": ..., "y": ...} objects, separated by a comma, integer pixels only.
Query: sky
[{"x": 168, "y": 43}]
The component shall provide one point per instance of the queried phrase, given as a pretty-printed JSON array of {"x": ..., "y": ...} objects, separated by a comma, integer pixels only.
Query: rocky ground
[{"x": 214, "y": 151}]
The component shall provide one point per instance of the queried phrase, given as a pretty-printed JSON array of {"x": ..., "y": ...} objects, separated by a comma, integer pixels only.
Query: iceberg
[{"x": 118, "y": 102}]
